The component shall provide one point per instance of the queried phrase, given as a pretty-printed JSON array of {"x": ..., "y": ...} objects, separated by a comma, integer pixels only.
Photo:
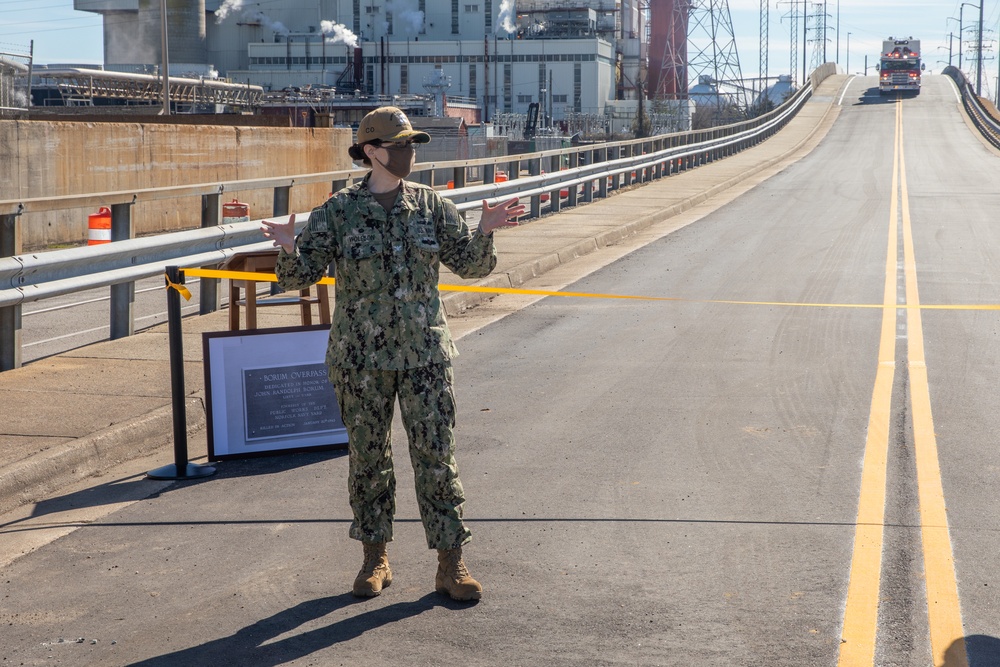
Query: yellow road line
[
  {"x": 270, "y": 277},
  {"x": 943, "y": 608},
  {"x": 857, "y": 648}
]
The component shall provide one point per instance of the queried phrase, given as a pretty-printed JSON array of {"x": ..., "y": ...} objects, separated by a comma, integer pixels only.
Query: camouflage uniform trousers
[{"x": 427, "y": 406}]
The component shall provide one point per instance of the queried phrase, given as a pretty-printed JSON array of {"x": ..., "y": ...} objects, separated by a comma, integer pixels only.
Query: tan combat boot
[
  {"x": 453, "y": 578},
  {"x": 375, "y": 573}
]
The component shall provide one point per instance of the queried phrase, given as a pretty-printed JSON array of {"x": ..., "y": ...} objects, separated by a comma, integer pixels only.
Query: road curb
[{"x": 33, "y": 478}]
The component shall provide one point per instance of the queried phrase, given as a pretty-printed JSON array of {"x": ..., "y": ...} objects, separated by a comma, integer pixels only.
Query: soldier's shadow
[
  {"x": 245, "y": 646},
  {"x": 979, "y": 651}
]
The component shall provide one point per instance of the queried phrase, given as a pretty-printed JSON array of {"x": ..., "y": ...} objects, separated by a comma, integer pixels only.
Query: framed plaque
[{"x": 267, "y": 391}]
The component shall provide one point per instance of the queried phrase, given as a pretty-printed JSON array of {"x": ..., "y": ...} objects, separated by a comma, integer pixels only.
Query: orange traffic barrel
[
  {"x": 235, "y": 211},
  {"x": 99, "y": 227}
]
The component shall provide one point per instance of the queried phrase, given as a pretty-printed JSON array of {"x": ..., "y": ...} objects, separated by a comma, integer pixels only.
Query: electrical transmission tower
[
  {"x": 819, "y": 35},
  {"x": 713, "y": 53},
  {"x": 669, "y": 26},
  {"x": 800, "y": 21},
  {"x": 697, "y": 43},
  {"x": 793, "y": 31}
]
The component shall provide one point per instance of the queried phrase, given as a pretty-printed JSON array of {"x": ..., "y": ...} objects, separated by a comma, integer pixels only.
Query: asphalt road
[{"x": 650, "y": 482}]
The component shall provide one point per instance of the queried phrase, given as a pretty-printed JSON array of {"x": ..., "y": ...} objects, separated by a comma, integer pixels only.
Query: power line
[
  {"x": 22, "y": 34},
  {"x": 6, "y": 24},
  {"x": 12, "y": 11}
]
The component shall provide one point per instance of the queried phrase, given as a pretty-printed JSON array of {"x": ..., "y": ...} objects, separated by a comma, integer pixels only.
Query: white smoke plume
[
  {"x": 505, "y": 18},
  {"x": 338, "y": 32},
  {"x": 228, "y": 6},
  {"x": 20, "y": 99},
  {"x": 406, "y": 16},
  {"x": 267, "y": 22}
]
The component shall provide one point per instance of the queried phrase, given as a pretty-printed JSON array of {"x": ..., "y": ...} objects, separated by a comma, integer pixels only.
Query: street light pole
[
  {"x": 952, "y": 18},
  {"x": 961, "y": 32},
  {"x": 838, "y": 31},
  {"x": 961, "y": 28},
  {"x": 848, "y": 53}
]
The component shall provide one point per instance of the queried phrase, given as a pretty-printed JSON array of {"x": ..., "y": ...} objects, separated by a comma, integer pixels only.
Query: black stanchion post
[{"x": 180, "y": 468}]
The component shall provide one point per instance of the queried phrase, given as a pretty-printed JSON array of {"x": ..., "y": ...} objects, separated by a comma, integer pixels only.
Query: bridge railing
[
  {"x": 577, "y": 175},
  {"x": 988, "y": 126}
]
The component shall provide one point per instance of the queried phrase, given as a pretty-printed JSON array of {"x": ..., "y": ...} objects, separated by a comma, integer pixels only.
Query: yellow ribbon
[
  {"x": 270, "y": 277},
  {"x": 184, "y": 291}
]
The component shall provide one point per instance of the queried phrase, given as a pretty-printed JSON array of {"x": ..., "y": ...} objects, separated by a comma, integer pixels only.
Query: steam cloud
[
  {"x": 267, "y": 22},
  {"x": 406, "y": 15},
  {"x": 20, "y": 99},
  {"x": 230, "y": 6},
  {"x": 504, "y": 19},
  {"x": 338, "y": 32}
]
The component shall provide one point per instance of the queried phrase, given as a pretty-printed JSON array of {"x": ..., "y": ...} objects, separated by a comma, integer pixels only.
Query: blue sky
[{"x": 63, "y": 35}]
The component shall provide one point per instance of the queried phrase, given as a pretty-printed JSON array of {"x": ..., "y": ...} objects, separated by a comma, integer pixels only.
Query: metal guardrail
[
  {"x": 988, "y": 126},
  {"x": 87, "y": 84},
  {"x": 599, "y": 168}
]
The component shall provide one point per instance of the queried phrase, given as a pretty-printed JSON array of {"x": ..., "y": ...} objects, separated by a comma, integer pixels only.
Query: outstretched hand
[
  {"x": 282, "y": 233},
  {"x": 504, "y": 214}
]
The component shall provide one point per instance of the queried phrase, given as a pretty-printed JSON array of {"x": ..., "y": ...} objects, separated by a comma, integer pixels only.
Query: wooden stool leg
[
  {"x": 324, "y": 303},
  {"x": 251, "y": 290},
  {"x": 234, "y": 305},
  {"x": 305, "y": 308}
]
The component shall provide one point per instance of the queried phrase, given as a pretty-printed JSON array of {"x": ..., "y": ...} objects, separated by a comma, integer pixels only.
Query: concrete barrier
[
  {"x": 820, "y": 74},
  {"x": 51, "y": 159}
]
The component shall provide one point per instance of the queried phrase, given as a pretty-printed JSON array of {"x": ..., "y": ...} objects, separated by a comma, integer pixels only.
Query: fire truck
[{"x": 899, "y": 65}]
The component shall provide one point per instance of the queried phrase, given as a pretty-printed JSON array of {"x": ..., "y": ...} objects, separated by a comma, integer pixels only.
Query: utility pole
[
  {"x": 824, "y": 30},
  {"x": 805, "y": 39},
  {"x": 979, "y": 61},
  {"x": 848, "y": 68},
  {"x": 961, "y": 26},
  {"x": 31, "y": 66},
  {"x": 764, "y": 16},
  {"x": 164, "y": 68}
]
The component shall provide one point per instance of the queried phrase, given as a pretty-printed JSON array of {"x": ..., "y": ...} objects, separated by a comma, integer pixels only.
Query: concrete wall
[
  {"x": 820, "y": 74},
  {"x": 49, "y": 159}
]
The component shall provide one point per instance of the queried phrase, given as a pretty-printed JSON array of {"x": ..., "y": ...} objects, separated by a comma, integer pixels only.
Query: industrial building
[{"x": 576, "y": 59}]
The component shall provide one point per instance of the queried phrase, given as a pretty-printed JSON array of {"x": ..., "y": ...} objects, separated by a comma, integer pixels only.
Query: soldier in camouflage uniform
[{"x": 386, "y": 237}]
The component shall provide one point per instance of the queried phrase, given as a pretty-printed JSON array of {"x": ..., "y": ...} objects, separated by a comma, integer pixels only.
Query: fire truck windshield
[{"x": 899, "y": 65}]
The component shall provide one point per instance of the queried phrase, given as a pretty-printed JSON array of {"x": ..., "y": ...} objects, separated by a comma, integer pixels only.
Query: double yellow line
[{"x": 947, "y": 636}]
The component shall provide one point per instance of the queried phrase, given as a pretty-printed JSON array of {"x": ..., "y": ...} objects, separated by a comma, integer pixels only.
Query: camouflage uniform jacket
[{"x": 388, "y": 313}]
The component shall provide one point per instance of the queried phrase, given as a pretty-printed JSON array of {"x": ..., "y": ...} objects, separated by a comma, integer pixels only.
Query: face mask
[{"x": 400, "y": 161}]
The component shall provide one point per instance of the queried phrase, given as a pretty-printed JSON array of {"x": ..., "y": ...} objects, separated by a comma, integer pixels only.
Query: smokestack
[
  {"x": 185, "y": 28},
  {"x": 668, "y": 57}
]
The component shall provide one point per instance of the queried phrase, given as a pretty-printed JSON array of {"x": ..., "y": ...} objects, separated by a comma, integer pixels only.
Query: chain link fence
[{"x": 15, "y": 80}]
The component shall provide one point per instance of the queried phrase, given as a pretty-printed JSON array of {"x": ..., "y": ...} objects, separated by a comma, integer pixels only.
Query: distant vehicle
[{"x": 899, "y": 65}]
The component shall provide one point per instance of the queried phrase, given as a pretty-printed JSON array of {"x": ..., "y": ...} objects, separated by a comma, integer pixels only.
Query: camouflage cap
[{"x": 389, "y": 124}]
